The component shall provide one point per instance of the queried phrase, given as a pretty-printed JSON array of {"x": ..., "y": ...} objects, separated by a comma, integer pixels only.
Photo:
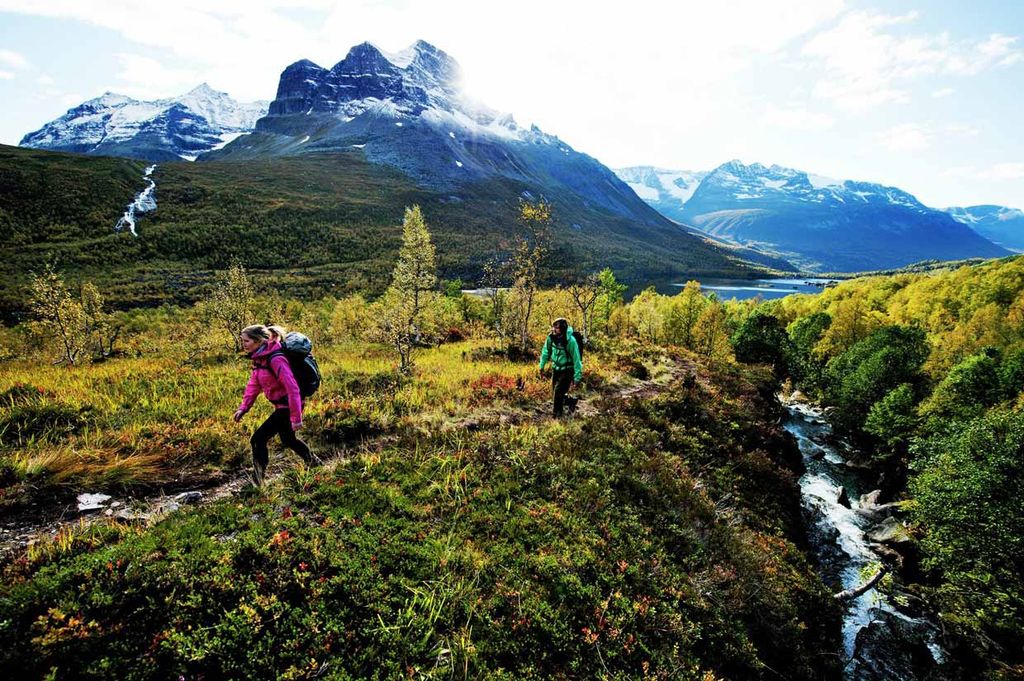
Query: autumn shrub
[
  {"x": 517, "y": 552},
  {"x": 492, "y": 387},
  {"x": 346, "y": 421}
]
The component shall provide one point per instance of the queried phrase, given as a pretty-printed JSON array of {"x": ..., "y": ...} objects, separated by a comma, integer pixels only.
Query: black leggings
[
  {"x": 560, "y": 381},
  {"x": 279, "y": 424}
]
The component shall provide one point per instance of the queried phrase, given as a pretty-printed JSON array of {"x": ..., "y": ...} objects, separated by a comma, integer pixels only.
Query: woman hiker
[
  {"x": 271, "y": 375},
  {"x": 566, "y": 366}
]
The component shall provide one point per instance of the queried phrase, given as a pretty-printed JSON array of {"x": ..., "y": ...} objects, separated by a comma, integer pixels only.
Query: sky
[{"x": 925, "y": 95}]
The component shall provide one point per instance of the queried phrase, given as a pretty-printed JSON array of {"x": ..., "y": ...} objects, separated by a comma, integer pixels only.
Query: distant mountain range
[
  {"x": 406, "y": 112},
  {"x": 161, "y": 130},
  {"x": 999, "y": 224},
  {"x": 817, "y": 223},
  {"x": 404, "y": 116}
]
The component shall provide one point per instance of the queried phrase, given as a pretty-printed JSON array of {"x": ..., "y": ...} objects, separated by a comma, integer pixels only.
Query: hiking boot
[{"x": 258, "y": 474}]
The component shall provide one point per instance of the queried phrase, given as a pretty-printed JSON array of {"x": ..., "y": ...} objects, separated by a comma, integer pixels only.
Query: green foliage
[
  {"x": 971, "y": 386},
  {"x": 231, "y": 306},
  {"x": 510, "y": 553},
  {"x": 399, "y": 317},
  {"x": 1011, "y": 373},
  {"x": 893, "y": 419},
  {"x": 805, "y": 334},
  {"x": 968, "y": 493},
  {"x": 60, "y": 320},
  {"x": 871, "y": 368},
  {"x": 761, "y": 339},
  {"x": 611, "y": 295}
]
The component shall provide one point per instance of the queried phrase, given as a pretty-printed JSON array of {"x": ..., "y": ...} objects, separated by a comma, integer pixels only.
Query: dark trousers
[
  {"x": 278, "y": 424},
  {"x": 560, "y": 381}
]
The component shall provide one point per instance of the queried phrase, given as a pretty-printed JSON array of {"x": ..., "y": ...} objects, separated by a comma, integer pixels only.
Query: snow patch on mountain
[
  {"x": 666, "y": 190},
  {"x": 185, "y": 126},
  {"x": 1001, "y": 224}
]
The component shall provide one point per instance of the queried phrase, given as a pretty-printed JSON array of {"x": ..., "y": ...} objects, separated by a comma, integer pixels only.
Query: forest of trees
[{"x": 926, "y": 372}]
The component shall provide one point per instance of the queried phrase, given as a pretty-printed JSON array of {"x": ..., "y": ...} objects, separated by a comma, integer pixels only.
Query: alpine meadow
[{"x": 360, "y": 378}]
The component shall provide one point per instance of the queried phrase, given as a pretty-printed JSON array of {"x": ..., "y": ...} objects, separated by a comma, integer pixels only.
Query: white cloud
[
  {"x": 13, "y": 60},
  {"x": 919, "y": 136},
  {"x": 999, "y": 172},
  {"x": 1004, "y": 172},
  {"x": 44, "y": 80},
  {"x": 146, "y": 78},
  {"x": 867, "y": 63},
  {"x": 906, "y": 137},
  {"x": 944, "y": 92},
  {"x": 6, "y": 75},
  {"x": 796, "y": 118}
]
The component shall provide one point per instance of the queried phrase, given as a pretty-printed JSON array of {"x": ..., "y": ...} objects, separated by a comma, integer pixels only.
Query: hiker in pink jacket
[{"x": 271, "y": 375}]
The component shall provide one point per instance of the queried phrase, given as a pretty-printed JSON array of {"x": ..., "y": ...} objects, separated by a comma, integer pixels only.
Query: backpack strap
[{"x": 270, "y": 361}]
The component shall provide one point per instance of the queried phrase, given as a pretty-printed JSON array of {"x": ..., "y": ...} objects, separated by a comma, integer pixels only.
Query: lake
[{"x": 741, "y": 289}]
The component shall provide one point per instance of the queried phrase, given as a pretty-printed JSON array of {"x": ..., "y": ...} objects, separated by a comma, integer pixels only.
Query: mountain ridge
[
  {"x": 169, "y": 129},
  {"x": 818, "y": 223}
]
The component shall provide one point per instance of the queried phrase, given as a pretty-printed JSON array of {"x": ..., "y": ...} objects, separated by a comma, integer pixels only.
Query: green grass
[
  {"x": 640, "y": 542},
  {"x": 310, "y": 226}
]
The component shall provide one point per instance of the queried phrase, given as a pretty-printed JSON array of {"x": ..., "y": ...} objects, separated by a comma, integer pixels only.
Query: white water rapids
[
  {"x": 143, "y": 202},
  {"x": 844, "y": 553}
]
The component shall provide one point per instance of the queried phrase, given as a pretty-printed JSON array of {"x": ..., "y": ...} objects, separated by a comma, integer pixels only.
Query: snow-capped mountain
[
  {"x": 667, "y": 191},
  {"x": 999, "y": 224},
  {"x": 823, "y": 224},
  {"x": 407, "y": 111},
  {"x": 161, "y": 130}
]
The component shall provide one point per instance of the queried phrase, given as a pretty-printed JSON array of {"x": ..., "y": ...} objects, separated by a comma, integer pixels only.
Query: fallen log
[{"x": 850, "y": 594}]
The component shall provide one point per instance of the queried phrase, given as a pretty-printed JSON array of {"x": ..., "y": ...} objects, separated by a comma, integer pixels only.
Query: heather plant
[{"x": 507, "y": 552}]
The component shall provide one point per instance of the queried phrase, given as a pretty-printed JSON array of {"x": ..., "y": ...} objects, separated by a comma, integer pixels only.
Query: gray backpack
[{"x": 298, "y": 349}]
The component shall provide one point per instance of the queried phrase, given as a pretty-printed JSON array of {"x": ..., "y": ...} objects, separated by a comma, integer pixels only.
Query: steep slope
[
  {"x": 162, "y": 130},
  {"x": 827, "y": 225},
  {"x": 999, "y": 224},
  {"x": 312, "y": 225},
  {"x": 406, "y": 112}
]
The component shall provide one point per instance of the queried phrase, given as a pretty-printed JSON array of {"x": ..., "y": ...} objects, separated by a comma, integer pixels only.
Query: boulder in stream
[
  {"x": 889, "y": 532},
  {"x": 894, "y": 646},
  {"x": 843, "y": 498},
  {"x": 869, "y": 508}
]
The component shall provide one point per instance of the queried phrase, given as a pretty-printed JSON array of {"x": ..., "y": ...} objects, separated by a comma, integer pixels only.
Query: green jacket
[{"x": 563, "y": 358}]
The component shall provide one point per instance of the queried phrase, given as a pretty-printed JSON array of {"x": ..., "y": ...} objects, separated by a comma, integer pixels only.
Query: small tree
[
  {"x": 495, "y": 273},
  {"x": 584, "y": 293},
  {"x": 101, "y": 329},
  {"x": 231, "y": 307},
  {"x": 58, "y": 316},
  {"x": 414, "y": 276},
  {"x": 524, "y": 267}
]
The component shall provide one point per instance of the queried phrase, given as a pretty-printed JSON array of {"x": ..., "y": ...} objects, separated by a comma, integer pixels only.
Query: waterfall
[
  {"x": 880, "y": 640},
  {"x": 143, "y": 202}
]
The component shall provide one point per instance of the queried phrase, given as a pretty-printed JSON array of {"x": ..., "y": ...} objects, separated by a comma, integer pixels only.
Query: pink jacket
[{"x": 274, "y": 379}]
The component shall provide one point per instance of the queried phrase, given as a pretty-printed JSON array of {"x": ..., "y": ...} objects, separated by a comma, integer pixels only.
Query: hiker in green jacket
[{"x": 566, "y": 366}]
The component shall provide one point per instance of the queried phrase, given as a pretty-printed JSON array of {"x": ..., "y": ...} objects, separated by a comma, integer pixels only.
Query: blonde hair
[
  {"x": 279, "y": 331},
  {"x": 257, "y": 332}
]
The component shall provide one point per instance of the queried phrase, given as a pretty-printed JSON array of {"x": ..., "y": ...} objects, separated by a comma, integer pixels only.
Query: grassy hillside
[
  {"x": 468, "y": 536},
  {"x": 313, "y": 225}
]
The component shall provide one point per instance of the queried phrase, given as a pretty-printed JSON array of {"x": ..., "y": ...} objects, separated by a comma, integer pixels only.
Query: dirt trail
[{"x": 37, "y": 524}]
